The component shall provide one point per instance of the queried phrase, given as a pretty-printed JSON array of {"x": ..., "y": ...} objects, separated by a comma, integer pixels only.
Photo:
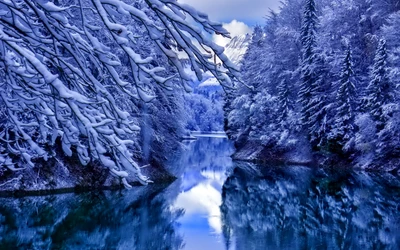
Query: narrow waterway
[{"x": 216, "y": 204}]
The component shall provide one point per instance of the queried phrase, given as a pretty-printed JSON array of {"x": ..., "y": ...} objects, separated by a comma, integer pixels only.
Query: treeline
[
  {"x": 324, "y": 72},
  {"x": 203, "y": 109}
]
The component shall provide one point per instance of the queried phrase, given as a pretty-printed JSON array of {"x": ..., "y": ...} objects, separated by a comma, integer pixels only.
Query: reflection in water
[
  {"x": 185, "y": 215},
  {"x": 205, "y": 165},
  {"x": 105, "y": 220},
  {"x": 301, "y": 208},
  {"x": 260, "y": 208}
]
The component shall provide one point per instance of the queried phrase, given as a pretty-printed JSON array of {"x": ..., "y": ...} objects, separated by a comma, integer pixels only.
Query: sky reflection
[{"x": 200, "y": 193}]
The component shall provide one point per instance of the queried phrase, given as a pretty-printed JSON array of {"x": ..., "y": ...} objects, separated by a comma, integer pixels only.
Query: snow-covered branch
[{"x": 62, "y": 65}]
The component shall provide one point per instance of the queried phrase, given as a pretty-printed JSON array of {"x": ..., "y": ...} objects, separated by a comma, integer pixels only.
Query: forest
[
  {"x": 114, "y": 85},
  {"x": 144, "y": 124},
  {"x": 326, "y": 85}
]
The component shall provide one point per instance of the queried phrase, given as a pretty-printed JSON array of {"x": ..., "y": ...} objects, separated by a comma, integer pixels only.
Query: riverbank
[
  {"x": 54, "y": 177},
  {"x": 254, "y": 151}
]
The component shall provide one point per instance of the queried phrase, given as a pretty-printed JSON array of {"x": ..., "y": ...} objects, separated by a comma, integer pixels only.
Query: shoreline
[{"x": 82, "y": 189}]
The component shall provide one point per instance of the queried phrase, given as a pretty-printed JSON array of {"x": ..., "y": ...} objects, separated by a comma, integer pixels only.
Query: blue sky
[{"x": 238, "y": 16}]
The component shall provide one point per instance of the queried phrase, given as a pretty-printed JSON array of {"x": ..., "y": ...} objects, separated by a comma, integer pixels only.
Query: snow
[
  {"x": 51, "y": 7},
  {"x": 237, "y": 47},
  {"x": 315, "y": 86},
  {"x": 210, "y": 82},
  {"x": 83, "y": 73},
  {"x": 72, "y": 70},
  {"x": 234, "y": 51}
]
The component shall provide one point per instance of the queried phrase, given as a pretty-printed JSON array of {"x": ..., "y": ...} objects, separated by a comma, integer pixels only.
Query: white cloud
[
  {"x": 249, "y": 11},
  {"x": 202, "y": 200},
  {"x": 235, "y": 28}
]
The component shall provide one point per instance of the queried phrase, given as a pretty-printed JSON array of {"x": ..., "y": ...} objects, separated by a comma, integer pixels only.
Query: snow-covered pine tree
[
  {"x": 391, "y": 34},
  {"x": 346, "y": 103},
  {"x": 380, "y": 90},
  {"x": 313, "y": 93},
  {"x": 308, "y": 74},
  {"x": 319, "y": 108},
  {"x": 285, "y": 101},
  {"x": 252, "y": 70},
  {"x": 388, "y": 142},
  {"x": 242, "y": 97},
  {"x": 227, "y": 108}
]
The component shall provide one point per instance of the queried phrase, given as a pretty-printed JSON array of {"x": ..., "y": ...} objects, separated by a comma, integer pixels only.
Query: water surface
[{"x": 216, "y": 204}]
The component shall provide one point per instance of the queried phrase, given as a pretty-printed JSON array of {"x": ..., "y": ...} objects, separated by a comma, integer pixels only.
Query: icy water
[{"x": 216, "y": 204}]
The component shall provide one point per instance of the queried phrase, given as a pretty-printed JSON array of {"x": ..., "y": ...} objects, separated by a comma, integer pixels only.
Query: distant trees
[
  {"x": 203, "y": 109},
  {"x": 69, "y": 68}
]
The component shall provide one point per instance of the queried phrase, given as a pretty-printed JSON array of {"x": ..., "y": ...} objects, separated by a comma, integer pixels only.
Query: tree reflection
[
  {"x": 302, "y": 208},
  {"x": 102, "y": 220}
]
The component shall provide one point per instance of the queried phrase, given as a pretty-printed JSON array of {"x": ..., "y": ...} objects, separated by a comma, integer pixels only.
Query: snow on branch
[{"x": 61, "y": 65}]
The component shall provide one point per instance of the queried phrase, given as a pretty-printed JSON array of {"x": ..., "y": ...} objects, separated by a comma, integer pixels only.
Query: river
[{"x": 216, "y": 204}]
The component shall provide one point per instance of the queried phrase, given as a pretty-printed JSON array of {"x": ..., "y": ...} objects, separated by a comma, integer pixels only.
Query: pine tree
[
  {"x": 284, "y": 100},
  {"x": 227, "y": 108},
  {"x": 253, "y": 72},
  {"x": 313, "y": 88},
  {"x": 388, "y": 142},
  {"x": 241, "y": 99},
  {"x": 318, "y": 124},
  {"x": 308, "y": 74},
  {"x": 346, "y": 101},
  {"x": 380, "y": 91}
]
